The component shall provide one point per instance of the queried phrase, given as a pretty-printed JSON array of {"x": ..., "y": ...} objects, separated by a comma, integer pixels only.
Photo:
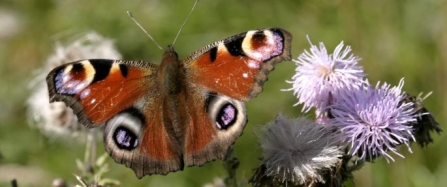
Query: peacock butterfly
[{"x": 157, "y": 119}]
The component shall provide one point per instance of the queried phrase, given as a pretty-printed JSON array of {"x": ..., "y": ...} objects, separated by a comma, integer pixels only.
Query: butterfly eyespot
[
  {"x": 226, "y": 117},
  {"x": 125, "y": 138},
  {"x": 263, "y": 45},
  {"x": 122, "y": 132},
  {"x": 224, "y": 112}
]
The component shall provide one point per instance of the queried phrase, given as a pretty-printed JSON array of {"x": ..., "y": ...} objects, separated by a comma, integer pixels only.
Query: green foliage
[{"x": 395, "y": 39}]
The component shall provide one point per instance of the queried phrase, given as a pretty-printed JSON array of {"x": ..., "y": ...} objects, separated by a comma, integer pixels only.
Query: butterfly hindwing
[
  {"x": 216, "y": 121},
  {"x": 140, "y": 139}
]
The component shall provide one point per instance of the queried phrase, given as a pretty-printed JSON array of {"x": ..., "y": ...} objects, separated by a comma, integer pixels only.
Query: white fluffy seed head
[
  {"x": 56, "y": 118},
  {"x": 298, "y": 150}
]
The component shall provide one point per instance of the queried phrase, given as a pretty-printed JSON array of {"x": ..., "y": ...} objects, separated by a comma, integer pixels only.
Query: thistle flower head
[
  {"x": 298, "y": 151},
  {"x": 374, "y": 121},
  {"x": 57, "y": 118},
  {"x": 320, "y": 75}
]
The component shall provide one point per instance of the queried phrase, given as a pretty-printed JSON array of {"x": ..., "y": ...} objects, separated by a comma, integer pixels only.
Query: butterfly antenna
[
  {"x": 180, "y": 30},
  {"x": 141, "y": 27}
]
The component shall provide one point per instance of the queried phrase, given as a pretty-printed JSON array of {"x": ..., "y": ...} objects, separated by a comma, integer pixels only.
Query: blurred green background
[{"x": 404, "y": 38}]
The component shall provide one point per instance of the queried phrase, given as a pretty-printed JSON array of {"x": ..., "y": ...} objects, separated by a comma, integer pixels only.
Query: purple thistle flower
[
  {"x": 374, "y": 121},
  {"x": 320, "y": 75}
]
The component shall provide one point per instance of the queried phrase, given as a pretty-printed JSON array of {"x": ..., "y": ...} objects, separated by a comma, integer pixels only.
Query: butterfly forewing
[
  {"x": 99, "y": 89},
  {"x": 238, "y": 66}
]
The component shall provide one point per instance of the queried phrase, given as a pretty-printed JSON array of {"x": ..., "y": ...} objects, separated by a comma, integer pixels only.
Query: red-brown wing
[
  {"x": 98, "y": 89},
  {"x": 216, "y": 121},
  {"x": 124, "y": 96},
  {"x": 220, "y": 77},
  {"x": 238, "y": 66},
  {"x": 139, "y": 138}
]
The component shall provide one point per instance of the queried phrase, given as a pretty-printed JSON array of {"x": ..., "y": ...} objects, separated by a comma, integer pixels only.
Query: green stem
[{"x": 231, "y": 163}]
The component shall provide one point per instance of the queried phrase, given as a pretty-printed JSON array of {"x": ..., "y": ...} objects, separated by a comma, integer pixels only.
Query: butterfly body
[{"x": 158, "y": 119}]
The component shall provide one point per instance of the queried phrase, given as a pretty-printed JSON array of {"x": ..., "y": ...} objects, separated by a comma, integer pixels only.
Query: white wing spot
[{"x": 253, "y": 64}]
